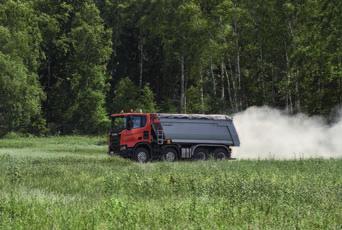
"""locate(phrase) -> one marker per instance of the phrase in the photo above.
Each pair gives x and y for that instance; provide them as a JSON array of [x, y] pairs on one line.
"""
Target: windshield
[[118, 124]]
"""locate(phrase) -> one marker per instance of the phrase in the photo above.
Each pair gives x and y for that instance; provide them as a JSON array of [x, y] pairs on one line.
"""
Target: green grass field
[[70, 183]]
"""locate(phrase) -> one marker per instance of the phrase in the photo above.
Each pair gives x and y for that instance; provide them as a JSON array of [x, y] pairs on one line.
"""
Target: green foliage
[[20, 91], [128, 96], [14, 135], [69, 182], [78, 47], [284, 54], [146, 100], [20, 35], [195, 104], [20, 95], [168, 106]]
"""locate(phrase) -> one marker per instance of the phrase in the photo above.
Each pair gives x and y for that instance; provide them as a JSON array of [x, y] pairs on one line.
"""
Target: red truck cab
[[132, 132]]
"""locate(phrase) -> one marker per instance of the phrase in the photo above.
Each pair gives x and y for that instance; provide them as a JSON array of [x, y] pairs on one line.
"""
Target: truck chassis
[[152, 141]]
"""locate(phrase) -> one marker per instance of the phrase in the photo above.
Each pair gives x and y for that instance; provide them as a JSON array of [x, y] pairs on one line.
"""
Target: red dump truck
[[147, 136]]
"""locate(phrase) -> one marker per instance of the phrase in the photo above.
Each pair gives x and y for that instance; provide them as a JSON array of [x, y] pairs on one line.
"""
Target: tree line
[[64, 65]]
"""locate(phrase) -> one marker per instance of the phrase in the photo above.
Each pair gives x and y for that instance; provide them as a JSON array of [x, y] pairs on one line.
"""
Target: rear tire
[[142, 155], [200, 154], [169, 155], [221, 154]]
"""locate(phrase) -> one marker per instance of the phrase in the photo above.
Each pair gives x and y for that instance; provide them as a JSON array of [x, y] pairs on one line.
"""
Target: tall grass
[[70, 183]]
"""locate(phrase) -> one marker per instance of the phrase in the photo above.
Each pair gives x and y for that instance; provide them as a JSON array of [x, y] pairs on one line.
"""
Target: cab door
[[136, 133]]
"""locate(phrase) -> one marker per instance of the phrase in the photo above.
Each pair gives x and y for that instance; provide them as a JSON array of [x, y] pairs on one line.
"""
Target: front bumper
[[121, 151]]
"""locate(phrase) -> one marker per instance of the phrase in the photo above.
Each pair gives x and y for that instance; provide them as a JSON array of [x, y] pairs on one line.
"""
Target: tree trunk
[[213, 76], [233, 86], [298, 103], [182, 98], [262, 73], [237, 61], [239, 78], [340, 80], [319, 89], [340, 86], [48, 90], [222, 81], [202, 91], [228, 88], [289, 106], [141, 49], [273, 87]]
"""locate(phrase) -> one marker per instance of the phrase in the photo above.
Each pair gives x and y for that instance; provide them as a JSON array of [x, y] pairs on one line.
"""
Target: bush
[[20, 95], [16, 135], [128, 96], [194, 103]]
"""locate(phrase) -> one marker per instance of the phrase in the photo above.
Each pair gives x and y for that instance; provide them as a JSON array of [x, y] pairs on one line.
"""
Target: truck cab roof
[[126, 114]]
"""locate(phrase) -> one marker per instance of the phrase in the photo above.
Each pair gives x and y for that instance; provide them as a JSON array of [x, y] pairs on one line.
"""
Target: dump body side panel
[[233, 133], [200, 131]]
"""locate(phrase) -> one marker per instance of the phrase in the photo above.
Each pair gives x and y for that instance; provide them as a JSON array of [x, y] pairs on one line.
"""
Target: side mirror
[[129, 124]]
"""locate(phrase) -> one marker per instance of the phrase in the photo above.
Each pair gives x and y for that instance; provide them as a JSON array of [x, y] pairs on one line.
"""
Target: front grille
[[115, 142]]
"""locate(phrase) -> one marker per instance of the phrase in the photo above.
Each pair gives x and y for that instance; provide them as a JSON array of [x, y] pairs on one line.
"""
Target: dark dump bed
[[199, 129]]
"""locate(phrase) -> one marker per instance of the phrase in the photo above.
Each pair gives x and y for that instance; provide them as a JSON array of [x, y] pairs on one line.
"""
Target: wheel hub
[[201, 156], [220, 156], [170, 156], [142, 157]]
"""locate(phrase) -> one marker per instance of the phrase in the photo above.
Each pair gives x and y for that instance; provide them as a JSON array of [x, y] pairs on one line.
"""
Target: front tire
[[111, 153], [169, 155], [142, 155]]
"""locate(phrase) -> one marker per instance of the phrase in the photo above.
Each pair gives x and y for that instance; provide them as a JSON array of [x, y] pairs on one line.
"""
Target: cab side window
[[138, 121]]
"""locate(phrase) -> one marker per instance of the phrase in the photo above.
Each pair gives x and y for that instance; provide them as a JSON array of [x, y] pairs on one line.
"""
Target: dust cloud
[[267, 133]]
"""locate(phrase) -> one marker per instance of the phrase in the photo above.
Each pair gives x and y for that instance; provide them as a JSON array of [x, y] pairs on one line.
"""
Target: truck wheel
[[221, 154], [169, 154], [201, 154], [111, 153], [142, 155]]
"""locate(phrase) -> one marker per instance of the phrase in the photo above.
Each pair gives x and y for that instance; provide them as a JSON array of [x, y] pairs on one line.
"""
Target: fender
[[174, 146], [143, 144]]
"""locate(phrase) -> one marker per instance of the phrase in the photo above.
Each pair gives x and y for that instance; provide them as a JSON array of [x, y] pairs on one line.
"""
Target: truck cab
[[128, 130]]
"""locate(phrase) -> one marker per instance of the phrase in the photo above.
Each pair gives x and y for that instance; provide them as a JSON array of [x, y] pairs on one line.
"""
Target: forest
[[66, 64]]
